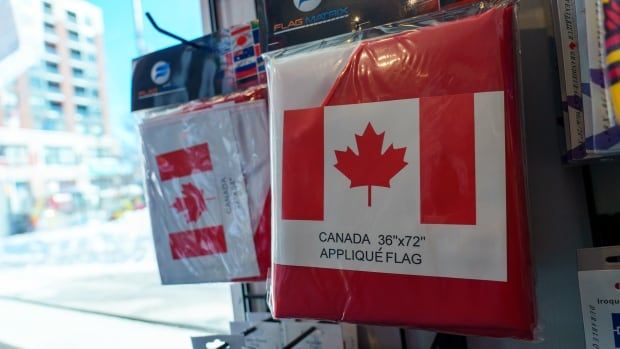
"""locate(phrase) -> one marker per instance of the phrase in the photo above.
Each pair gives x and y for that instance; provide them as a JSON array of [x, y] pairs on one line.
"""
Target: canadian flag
[[199, 205], [398, 184]]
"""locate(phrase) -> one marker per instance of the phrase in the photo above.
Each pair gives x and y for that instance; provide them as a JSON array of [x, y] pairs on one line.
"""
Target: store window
[[75, 232]]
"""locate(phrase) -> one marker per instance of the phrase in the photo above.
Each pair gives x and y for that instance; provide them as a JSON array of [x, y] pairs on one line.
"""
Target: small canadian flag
[[187, 178], [197, 198]]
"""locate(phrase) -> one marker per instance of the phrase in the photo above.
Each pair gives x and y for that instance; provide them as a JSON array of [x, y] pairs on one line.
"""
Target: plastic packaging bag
[[398, 178], [207, 178]]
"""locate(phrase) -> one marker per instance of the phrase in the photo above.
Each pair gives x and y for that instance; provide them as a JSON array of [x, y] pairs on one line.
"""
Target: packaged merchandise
[[611, 22], [568, 44], [599, 286], [606, 134], [207, 178], [203, 122], [398, 179], [288, 23]]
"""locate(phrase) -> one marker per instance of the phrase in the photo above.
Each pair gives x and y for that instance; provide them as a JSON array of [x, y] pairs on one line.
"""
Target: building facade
[[55, 142]]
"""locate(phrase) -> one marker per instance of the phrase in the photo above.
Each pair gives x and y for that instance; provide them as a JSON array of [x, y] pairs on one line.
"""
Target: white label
[[600, 304]]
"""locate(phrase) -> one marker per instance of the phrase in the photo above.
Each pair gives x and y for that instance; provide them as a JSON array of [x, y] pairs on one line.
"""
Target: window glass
[[71, 17], [73, 35], [74, 229], [75, 54]]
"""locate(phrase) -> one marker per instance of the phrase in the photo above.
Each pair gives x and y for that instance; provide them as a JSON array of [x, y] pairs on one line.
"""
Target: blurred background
[[75, 240]]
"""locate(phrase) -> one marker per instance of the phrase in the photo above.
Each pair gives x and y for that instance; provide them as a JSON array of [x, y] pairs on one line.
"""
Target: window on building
[[51, 67], [81, 110], [88, 21], [35, 83], [71, 17], [92, 58], [95, 130], [90, 40], [53, 86], [73, 35], [47, 8], [55, 106], [14, 154], [77, 72], [60, 156], [50, 47], [75, 54], [101, 152], [51, 124], [79, 91], [95, 93], [49, 27]]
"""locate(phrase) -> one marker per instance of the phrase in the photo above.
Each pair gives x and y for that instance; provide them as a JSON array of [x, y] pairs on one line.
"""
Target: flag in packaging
[[398, 181], [207, 176]]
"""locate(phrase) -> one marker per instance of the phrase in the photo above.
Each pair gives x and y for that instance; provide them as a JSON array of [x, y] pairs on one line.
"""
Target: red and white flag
[[398, 184], [198, 201], [421, 173]]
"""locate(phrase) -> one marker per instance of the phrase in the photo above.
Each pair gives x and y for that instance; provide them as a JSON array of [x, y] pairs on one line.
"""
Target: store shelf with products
[[466, 65]]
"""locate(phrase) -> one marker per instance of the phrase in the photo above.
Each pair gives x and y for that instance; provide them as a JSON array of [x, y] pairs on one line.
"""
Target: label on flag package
[[398, 181], [197, 197]]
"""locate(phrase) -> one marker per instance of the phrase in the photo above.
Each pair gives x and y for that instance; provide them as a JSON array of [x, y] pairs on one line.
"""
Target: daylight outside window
[[76, 252]]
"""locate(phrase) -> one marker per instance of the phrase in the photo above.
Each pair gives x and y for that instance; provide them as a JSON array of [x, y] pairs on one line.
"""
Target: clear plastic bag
[[207, 179], [398, 184]]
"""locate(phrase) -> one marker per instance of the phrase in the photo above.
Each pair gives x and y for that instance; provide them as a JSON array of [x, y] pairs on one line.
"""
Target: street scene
[[102, 273], [77, 259]]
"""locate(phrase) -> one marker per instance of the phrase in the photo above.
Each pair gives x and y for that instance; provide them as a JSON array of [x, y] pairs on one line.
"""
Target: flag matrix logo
[[370, 167], [306, 5], [160, 73]]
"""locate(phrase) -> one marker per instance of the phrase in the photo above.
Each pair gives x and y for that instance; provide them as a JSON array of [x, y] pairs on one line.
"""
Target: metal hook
[[172, 35]]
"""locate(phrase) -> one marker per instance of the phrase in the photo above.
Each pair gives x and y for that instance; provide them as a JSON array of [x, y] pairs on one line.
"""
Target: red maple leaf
[[192, 202], [370, 167]]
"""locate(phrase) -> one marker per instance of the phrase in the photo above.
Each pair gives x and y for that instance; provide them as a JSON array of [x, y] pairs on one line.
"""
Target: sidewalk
[[28, 326], [101, 282]]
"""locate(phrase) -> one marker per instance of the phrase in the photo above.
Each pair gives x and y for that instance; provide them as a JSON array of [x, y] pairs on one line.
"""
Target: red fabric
[[262, 235], [262, 244], [198, 243], [184, 162], [448, 193], [303, 160], [462, 57]]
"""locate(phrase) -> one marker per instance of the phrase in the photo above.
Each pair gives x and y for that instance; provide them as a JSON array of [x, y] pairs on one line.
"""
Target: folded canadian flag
[[398, 182], [208, 188]]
